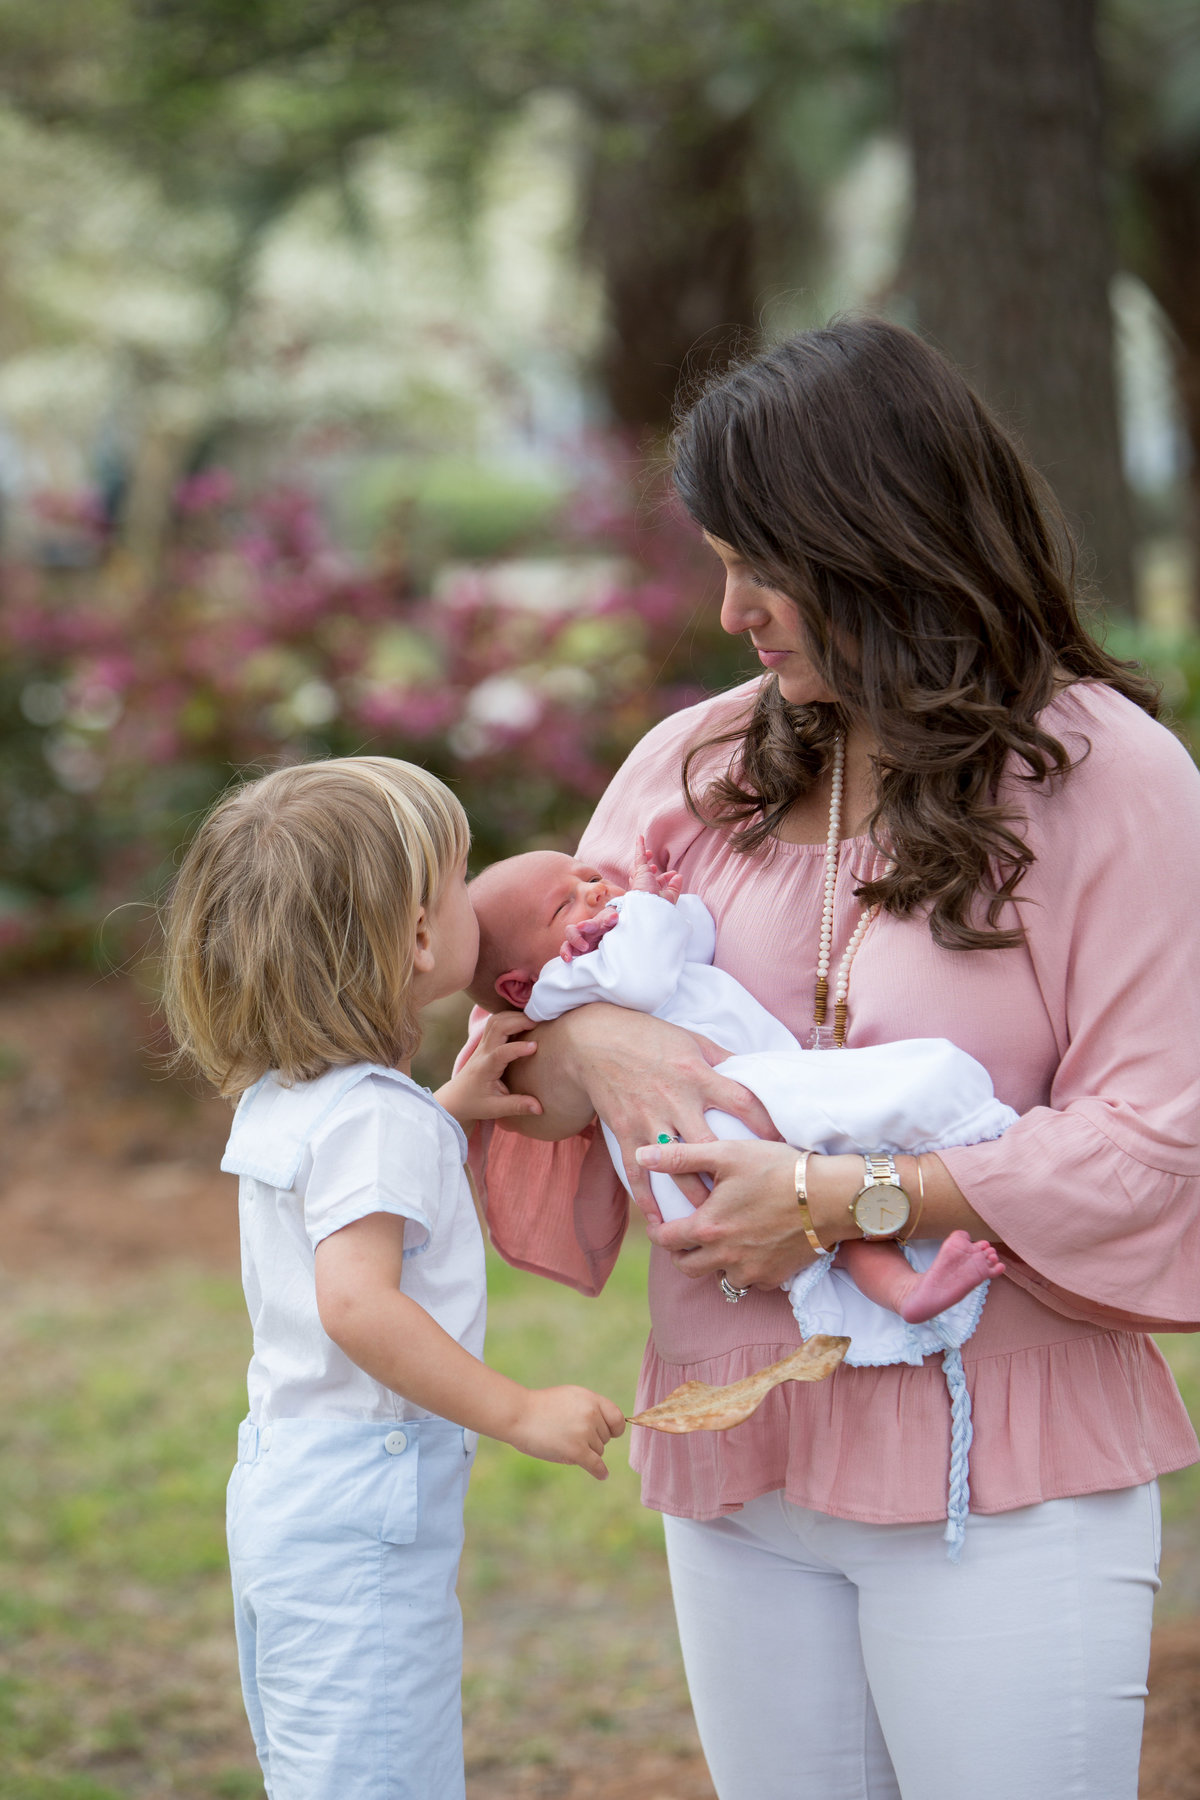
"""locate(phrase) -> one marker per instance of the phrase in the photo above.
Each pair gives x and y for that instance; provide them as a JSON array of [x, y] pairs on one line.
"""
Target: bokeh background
[[339, 341]]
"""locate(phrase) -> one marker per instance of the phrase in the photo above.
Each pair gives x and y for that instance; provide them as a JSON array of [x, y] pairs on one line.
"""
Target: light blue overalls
[[344, 1533]]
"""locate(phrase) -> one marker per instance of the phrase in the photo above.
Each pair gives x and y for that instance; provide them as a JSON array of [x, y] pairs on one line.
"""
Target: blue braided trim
[[962, 1431]]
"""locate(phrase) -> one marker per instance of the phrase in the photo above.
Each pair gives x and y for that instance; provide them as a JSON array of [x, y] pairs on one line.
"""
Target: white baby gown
[[914, 1095]]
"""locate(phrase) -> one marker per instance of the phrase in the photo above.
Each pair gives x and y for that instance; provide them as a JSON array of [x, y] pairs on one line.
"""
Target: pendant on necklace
[[820, 1037]]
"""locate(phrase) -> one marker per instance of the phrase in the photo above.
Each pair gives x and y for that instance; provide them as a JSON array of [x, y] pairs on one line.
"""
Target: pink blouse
[[1091, 1031]]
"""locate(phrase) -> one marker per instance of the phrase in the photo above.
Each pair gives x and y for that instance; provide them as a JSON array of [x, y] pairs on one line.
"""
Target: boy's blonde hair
[[290, 929]]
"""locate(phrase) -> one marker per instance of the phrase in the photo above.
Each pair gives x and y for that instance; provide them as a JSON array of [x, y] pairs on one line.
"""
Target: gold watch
[[881, 1208]]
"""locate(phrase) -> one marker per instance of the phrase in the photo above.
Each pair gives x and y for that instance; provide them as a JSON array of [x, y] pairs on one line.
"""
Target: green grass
[[118, 1422], [118, 1416], [1181, 1492], [590, 1530]]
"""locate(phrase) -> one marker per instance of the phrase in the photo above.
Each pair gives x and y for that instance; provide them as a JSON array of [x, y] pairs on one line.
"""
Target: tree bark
[[669, 225], [1168, 181], [1010, 256]]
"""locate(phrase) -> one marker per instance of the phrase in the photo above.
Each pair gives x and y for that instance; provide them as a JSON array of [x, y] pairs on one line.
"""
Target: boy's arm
[[398, 1343]]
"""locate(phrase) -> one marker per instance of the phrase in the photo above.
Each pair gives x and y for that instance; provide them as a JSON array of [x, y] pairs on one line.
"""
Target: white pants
[[344, 1540], [829, 1660]]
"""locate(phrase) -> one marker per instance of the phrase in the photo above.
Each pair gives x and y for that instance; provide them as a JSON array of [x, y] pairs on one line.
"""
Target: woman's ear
[[422, 945], [515, 987]]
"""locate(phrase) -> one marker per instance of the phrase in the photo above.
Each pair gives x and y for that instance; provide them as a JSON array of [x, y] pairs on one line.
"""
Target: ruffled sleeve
[[1097, 1193], [558, 1209]]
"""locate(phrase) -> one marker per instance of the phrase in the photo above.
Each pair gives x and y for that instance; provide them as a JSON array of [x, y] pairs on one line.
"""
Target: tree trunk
[[1010, 254], [1169, 183], [669, 225]]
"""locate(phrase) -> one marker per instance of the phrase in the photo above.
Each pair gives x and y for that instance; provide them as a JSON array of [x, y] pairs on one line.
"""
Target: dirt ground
[[108, 1169]]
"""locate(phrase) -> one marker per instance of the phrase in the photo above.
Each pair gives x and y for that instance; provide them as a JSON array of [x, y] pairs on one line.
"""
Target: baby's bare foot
[[960, 1265]]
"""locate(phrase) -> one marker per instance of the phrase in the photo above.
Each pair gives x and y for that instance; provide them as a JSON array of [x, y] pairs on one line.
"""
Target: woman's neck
[[807, 820]]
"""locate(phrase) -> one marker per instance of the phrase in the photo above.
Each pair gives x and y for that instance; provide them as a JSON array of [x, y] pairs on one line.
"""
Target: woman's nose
[[739, 612]]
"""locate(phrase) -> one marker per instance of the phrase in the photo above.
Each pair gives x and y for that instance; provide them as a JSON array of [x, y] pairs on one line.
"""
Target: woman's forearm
[[750, 1226], [938, 1204], [554, 1078]]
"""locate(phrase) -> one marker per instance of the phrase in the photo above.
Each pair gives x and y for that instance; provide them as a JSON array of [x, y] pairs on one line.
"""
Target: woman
[[1011, 866]]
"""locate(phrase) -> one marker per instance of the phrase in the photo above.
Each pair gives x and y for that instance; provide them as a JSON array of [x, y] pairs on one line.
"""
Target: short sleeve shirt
[[312, 1158]]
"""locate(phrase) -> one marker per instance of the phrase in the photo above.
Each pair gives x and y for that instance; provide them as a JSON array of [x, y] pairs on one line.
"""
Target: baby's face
[[544, 892]]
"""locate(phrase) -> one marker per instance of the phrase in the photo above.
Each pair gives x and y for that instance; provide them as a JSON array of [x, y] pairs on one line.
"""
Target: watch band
[[801, 1177], [881, 1171]]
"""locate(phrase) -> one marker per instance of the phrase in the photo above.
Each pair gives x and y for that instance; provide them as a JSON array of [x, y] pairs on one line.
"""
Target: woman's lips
[[771, 659]]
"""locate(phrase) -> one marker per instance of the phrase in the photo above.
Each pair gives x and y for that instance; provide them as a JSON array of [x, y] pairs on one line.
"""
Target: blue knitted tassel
[[961, 1433]]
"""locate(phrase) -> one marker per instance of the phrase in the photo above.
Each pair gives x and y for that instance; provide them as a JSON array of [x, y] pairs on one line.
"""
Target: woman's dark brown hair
[[854, 470]]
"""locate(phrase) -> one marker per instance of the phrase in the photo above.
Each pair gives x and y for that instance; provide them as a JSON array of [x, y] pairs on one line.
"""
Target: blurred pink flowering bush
[[126, 707]]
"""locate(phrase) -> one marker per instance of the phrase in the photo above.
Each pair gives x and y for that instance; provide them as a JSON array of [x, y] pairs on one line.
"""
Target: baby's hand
[[568, 1425], [648, 878], [478, 1090], [587, 934]]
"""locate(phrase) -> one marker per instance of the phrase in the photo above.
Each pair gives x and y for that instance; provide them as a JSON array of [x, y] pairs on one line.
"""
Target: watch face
[[881, 1210]]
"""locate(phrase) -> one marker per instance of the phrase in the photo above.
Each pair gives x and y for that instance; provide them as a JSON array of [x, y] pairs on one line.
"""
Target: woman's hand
[[643, 1077], [749, 1227]]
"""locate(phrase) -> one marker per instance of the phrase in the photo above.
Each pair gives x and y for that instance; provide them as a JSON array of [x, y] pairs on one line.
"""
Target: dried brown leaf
[[698, 1407]]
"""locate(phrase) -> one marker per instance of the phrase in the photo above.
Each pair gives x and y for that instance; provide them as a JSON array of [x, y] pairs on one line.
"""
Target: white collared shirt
[[312, 1158]]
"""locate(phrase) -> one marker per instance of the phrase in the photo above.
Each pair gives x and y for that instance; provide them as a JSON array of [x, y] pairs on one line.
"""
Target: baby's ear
[[515, 987]]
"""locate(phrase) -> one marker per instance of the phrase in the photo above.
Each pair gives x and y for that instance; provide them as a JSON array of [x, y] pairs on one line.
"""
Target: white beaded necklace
[[821, 1038]]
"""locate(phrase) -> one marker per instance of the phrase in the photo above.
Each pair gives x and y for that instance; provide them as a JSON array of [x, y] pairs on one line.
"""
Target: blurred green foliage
[[1173, 659], [706, 131], [452, 508]]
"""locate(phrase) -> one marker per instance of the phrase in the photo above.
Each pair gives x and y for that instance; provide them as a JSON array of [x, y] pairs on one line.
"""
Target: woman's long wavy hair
[[854, 470]]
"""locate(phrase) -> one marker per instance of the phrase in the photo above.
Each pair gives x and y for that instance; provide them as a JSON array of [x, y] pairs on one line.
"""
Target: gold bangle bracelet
[[912, 1230], [801, 1180]]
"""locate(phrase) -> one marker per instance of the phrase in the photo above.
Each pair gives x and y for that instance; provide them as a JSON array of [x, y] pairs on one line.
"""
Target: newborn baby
[[554, 934]]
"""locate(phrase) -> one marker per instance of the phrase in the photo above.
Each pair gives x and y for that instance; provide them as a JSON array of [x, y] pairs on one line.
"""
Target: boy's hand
[[587, 934], [478, 1090], [648, 878], [568, 1425]]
